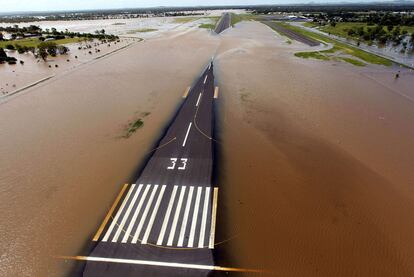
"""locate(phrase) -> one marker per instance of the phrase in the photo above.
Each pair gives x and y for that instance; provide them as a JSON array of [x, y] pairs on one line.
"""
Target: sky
[[57, 5]]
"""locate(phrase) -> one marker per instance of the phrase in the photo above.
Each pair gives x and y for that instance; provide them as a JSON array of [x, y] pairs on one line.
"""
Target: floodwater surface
[[314, 167]]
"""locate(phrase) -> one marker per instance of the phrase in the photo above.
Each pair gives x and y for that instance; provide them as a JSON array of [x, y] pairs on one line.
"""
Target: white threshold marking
[[186, 135], [128, 211], [204, 218], [154, 213], [198, 100], [195, 214], [111, 227], [213, 219], [176, 215], [186, 212], [167, 217], [205, 79], [144, 215], [134, 217]]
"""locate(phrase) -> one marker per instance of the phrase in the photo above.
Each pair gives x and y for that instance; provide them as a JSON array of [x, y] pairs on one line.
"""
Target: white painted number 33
[[183, 162]]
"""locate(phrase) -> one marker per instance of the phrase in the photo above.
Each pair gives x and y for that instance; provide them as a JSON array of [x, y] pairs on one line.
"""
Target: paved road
[[164, 224], [291, 34], [224, 23]]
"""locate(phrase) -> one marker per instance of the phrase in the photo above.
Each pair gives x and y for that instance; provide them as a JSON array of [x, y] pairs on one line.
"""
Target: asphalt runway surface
[[291, 34], [224, 23], [164, 224]]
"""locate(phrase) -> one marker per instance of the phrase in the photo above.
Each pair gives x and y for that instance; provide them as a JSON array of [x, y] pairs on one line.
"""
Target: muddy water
[[62, 161], [317, 159]]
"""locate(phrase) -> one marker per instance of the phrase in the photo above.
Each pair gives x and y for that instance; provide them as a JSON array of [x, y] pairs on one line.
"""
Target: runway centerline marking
[[198, 100], [186, 135], [154, 213], [185, 219], [167, 217], [124, 219], [204, 218], [195, 214], [205, 79], [176, 215], [144, 215], [111, 227], [134, 217]]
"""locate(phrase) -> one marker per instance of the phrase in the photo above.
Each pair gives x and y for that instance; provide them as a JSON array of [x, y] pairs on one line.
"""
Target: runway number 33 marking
[[174, 163]]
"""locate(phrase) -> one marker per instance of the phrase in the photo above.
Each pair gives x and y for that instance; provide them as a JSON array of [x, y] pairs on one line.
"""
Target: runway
[[164, 223], [291, 34], [224, 23]]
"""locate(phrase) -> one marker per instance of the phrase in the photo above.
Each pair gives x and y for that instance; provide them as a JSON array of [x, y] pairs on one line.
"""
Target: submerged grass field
[[338, 48], [143, 30], [184, 19], [34, 42]]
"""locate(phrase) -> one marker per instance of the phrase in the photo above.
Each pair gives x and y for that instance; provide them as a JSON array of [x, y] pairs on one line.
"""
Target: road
[[164, 224], [291, 34], [224, 23]]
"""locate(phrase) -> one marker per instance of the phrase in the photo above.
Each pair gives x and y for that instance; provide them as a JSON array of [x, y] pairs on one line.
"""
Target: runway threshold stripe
[[124, 219], [186, 135], [204, 218], [185, 219], [152, 218], [213, 219], [176, 216], [135, 215], [156, 263], [114, 221], [109, 214], [195, 215], [167, 217], [144, 215]]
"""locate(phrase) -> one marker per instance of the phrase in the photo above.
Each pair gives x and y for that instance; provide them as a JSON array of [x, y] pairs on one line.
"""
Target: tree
[[62, 49], [41, 51], [47, 48], [1, 36]]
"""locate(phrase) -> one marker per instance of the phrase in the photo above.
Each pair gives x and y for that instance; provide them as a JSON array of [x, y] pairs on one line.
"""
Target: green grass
[[207, 26], [315, 55], [184, 19], [212, 24], [288, 41], [342, 47], [34, 42], [144, 30], [352, 61], [133, 127], [341, 28]]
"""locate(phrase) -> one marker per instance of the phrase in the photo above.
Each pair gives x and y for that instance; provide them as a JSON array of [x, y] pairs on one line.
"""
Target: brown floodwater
[[315, 158], [316, 166], [62, 158]]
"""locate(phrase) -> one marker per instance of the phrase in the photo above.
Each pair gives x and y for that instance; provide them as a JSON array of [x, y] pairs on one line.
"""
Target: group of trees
[[381, 34]]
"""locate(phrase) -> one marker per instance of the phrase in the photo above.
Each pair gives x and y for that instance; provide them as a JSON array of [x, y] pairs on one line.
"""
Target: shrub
[[10, 47]]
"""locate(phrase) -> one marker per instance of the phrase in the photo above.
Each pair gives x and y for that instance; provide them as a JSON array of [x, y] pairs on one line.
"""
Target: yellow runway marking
[[186, 92], [216, 92], [213, 218], [110, 212], [155, 263]]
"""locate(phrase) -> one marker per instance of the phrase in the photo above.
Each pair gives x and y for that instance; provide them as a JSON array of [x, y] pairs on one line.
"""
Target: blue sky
[[47, 5]]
